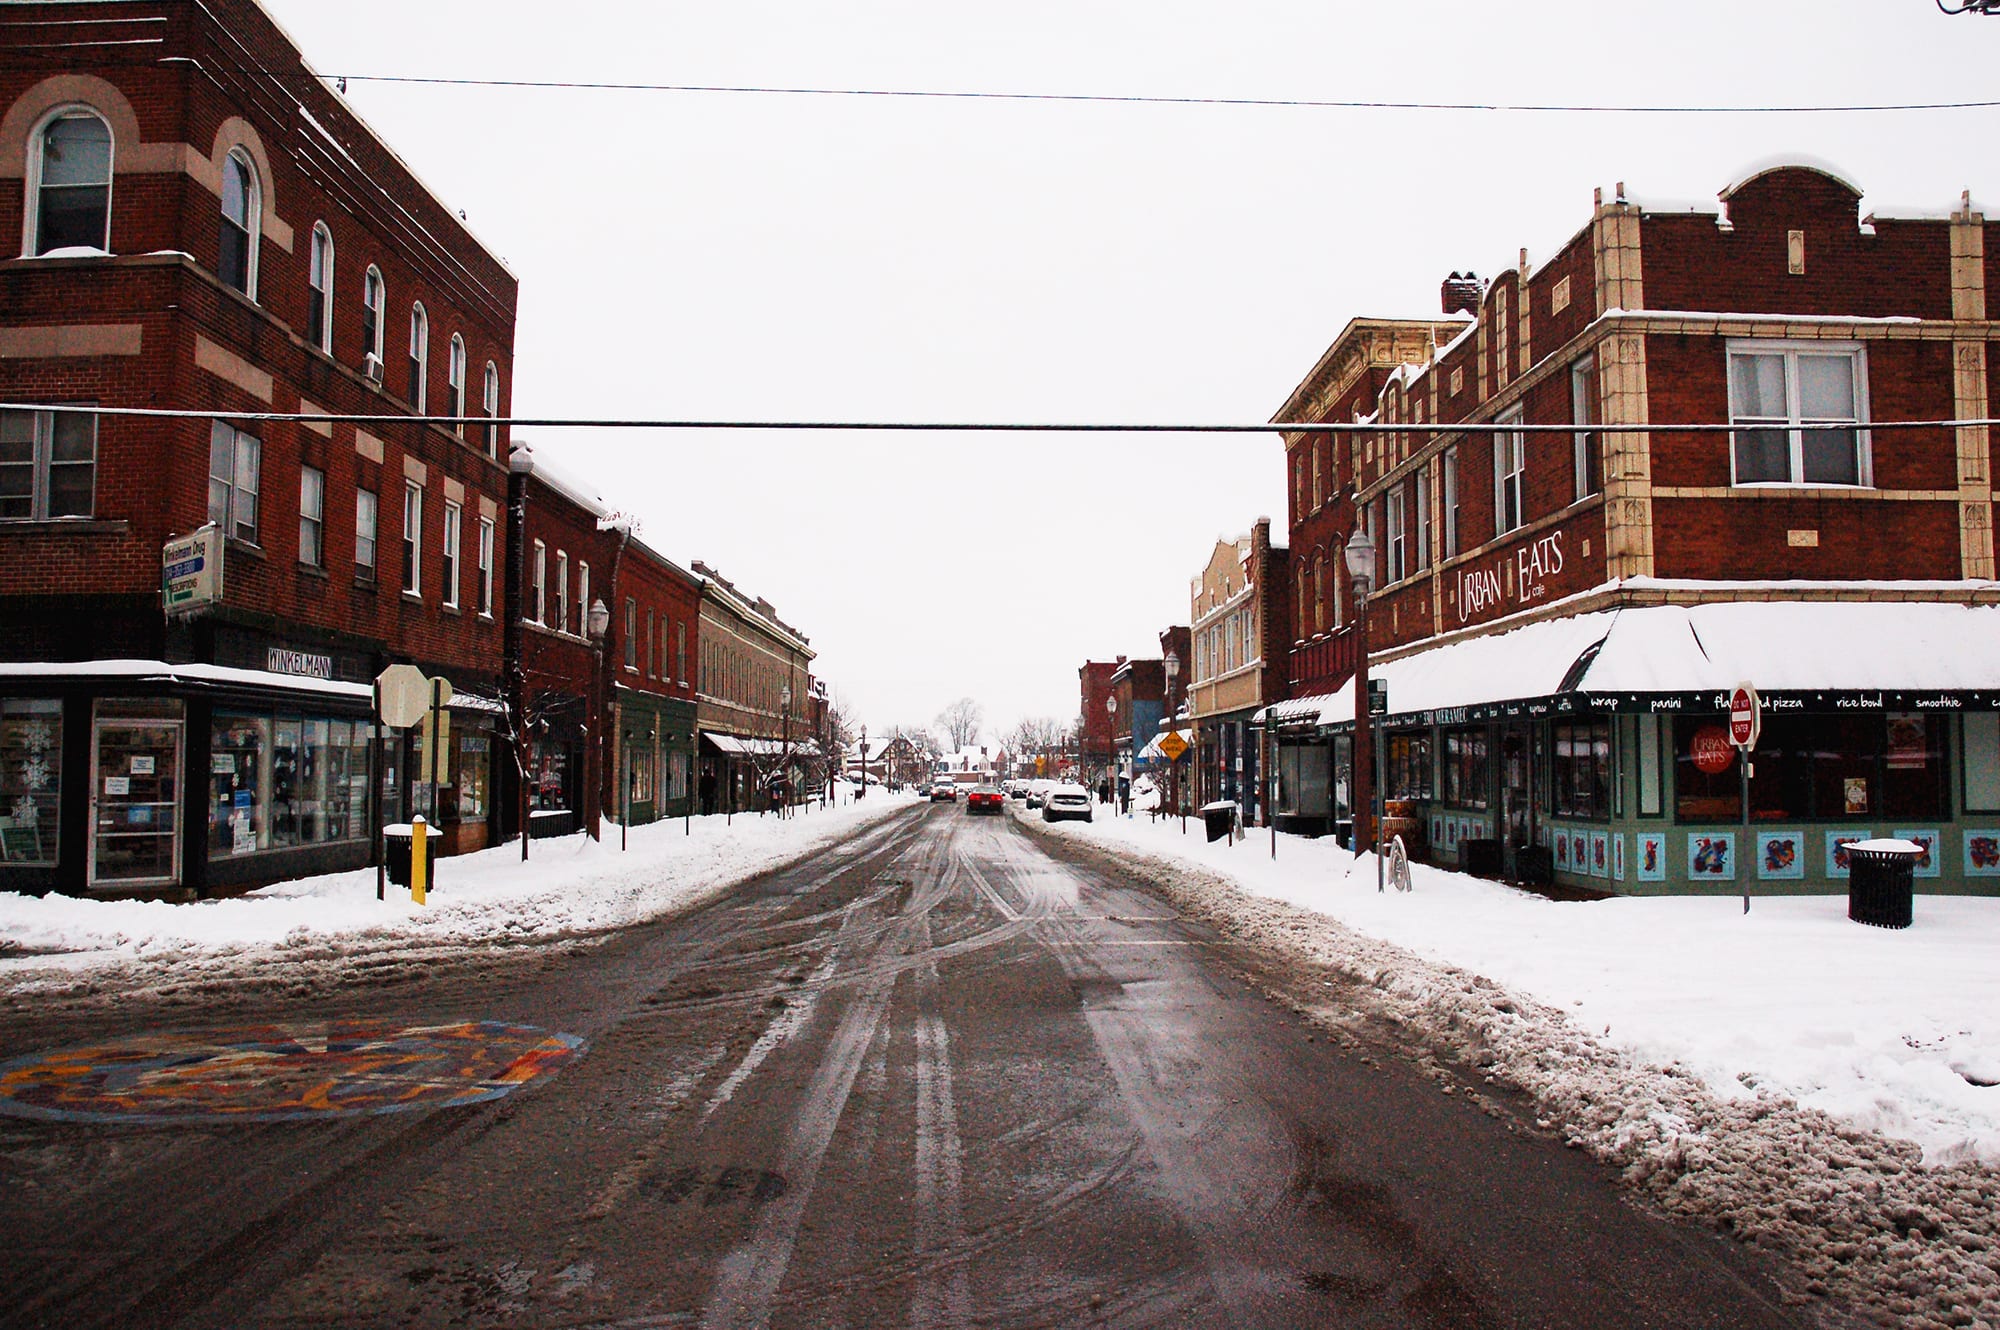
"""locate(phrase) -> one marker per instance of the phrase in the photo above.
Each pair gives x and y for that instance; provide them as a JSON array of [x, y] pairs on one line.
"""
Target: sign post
[[1746, 721], [400, 697]]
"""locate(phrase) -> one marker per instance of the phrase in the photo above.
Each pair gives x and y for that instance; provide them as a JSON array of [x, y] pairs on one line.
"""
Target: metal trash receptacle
[[397, 839], [1881, 881], [1219, 818]]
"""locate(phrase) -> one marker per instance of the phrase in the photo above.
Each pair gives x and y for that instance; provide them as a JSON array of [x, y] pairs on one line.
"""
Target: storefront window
[[1826, 767], [285, 781], [1582, 769], [1408, 766], [1464, 767], [547, 768], [475, 768], [30, 778], [677, 775]]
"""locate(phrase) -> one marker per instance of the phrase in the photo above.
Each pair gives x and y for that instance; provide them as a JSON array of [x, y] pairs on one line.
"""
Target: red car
[[985, 799]]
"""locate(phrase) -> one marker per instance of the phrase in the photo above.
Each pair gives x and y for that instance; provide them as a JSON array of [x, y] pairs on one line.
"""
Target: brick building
[[756, 702], [206, 227], [1238, 630], [1560, 612], [1097, 729]]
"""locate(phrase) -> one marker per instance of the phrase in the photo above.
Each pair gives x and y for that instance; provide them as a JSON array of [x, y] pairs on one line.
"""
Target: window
[[1774, 388], [31, 752], [312, 516], [234, 459], [374, 303], [540, 583], [1510, 463], [365, 513], [70, 183], [631, 634], [241, 212], [319, 278], [1583, 411], [651, 671], [413, 536], [1399, 536], [490, 397], [1420, 550], [486, 567], [1406, 761], [681, 651], [583, 591], [1826, 767], [1582, 786], [562, 596], [275, 782], [420, 355], [1318, 623], [1464, 767], [1318, 489], [1448, 469], [455, 381], [48, 465], [454, 518], [1299, 484]]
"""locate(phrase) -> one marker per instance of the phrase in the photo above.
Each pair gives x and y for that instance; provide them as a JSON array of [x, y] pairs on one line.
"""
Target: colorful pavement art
[[273, 1073]]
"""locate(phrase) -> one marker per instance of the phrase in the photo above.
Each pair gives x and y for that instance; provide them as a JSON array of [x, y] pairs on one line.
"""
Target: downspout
[[520, 465]]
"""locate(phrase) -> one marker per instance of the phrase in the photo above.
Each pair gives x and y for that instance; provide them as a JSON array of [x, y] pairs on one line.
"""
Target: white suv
[[1066, 801]]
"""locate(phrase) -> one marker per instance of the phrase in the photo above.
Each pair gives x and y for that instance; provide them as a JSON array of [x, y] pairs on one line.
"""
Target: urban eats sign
[[1482, 589]]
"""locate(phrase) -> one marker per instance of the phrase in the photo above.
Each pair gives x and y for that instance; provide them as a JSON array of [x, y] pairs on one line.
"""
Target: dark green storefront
[[653, 770]]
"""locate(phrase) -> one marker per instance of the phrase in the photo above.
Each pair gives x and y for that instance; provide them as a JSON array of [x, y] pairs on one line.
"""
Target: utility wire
[[984, 427]]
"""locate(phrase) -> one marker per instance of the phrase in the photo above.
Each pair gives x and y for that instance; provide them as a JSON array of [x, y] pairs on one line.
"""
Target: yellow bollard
[[419, 859]]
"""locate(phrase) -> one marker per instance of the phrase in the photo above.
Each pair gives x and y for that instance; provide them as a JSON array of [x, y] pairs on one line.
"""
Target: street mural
[[272, 1073]]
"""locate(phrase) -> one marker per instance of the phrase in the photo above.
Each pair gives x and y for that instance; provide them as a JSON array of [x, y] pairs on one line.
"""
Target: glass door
[[135, 802], [1516, 803]]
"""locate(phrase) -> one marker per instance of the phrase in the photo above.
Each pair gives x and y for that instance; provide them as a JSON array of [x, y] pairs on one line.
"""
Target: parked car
[[944, 792], [1066, 801], [985, 799], [1038, 792]]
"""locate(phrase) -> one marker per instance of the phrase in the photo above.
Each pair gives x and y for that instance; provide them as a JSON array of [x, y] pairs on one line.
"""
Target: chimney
[[1460, 293]]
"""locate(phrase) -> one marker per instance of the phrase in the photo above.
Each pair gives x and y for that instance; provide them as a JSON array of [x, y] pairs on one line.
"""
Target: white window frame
[[1856, 354], [1584, 404], [1448, 500], [31, 222], [454, 375], [1398, 553], [540, 583], [454, 523], [367, 528], [562, 593], [485, 567], [583, 593], [1420, 494], [375, 300], [319, 277], [312, 517], [1510, 475], [413, 538], [420, 356], [252, 225], [234, 485], [41, 426], [490, 399]]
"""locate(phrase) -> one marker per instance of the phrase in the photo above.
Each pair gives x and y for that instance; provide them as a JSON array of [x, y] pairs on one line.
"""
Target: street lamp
[[1111, 746], [596, 622], [1173, 716], [785, 749], [861, 789], [1360, 556]]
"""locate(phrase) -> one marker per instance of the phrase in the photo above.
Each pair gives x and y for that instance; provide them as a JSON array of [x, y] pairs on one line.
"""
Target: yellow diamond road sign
[[1173, 746]]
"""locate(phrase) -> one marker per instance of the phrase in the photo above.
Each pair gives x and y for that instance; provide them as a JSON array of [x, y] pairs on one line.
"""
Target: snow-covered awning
[[738, 746], [159, 671], [1812, 654], [1299, 710]]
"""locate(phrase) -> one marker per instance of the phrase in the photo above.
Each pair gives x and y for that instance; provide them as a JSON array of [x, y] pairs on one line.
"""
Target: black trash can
[[1881, 886], [1219, 818], [397, 853], [1480, 856]]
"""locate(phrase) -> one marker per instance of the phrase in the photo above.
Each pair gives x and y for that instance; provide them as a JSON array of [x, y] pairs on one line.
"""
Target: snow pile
[[569, 887], [1792, 1077]]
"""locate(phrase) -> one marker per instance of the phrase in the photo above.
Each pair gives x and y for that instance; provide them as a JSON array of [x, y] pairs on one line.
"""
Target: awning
[[1295, 711], [159, 671], [474, 702], [1805, 655], [738, 746]]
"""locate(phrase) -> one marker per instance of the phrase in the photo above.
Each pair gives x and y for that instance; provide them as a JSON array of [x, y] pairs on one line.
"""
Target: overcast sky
[[728, 255]]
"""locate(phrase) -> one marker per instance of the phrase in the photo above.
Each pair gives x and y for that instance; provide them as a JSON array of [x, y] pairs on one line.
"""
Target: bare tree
[[961, 721]]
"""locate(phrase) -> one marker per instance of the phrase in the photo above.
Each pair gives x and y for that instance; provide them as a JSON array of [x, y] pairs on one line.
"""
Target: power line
[[1305, 103], [985, 427]]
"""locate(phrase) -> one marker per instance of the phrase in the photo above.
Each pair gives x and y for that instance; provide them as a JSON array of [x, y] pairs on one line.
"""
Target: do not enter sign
[[1745, 718]]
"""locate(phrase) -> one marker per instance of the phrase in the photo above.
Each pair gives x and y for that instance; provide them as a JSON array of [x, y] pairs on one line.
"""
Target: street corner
[[281, 1072]]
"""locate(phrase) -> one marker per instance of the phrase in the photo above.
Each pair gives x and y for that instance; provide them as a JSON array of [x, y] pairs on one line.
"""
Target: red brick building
[[1559, 613], [204, 226]]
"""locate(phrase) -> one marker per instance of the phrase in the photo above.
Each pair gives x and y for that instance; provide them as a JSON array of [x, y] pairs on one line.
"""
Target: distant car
[[944, 792], [1066, 801], [985, 799], [923, 790]]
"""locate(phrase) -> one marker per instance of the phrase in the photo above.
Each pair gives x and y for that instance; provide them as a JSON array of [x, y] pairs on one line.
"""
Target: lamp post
[[1111, 748], [861, 790], [1173, 664], [1360, 556], [595, 623], [785, 748]]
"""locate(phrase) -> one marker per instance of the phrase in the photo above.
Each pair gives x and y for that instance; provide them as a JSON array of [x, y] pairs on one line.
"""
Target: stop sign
[[1744, 716], [404, 695]]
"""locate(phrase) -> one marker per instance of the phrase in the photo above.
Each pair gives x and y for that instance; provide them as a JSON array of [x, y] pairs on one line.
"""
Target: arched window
[[455, 380], [237, 265], [1319, 593], [491, 399], [69, 183], [374, 304], [420, 354], [319, 304]]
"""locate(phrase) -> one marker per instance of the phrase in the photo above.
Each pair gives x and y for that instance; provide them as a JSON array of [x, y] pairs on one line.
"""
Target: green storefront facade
[[655, 756]]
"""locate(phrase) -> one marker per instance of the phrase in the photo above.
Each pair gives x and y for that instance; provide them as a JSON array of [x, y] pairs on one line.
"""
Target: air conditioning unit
[[371, 365]]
